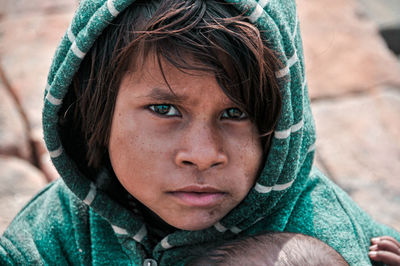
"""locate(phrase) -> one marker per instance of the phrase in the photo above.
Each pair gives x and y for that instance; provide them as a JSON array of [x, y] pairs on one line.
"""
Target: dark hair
[[212, 34], [271, 249]]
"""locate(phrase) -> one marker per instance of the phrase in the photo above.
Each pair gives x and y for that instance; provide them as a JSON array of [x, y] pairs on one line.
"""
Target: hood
[[290, 158]]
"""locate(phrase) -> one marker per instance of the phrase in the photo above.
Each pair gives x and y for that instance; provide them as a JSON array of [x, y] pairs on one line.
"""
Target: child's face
[[190, 157]]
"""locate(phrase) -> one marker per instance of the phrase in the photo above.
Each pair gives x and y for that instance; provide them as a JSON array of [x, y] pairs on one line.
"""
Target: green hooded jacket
[[74, 221]]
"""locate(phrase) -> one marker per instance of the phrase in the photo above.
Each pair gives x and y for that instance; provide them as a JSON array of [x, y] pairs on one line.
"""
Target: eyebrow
[[165, 95]]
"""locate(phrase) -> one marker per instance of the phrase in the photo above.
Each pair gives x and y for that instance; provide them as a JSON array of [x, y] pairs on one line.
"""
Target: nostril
[[187, 163], [215, 164]]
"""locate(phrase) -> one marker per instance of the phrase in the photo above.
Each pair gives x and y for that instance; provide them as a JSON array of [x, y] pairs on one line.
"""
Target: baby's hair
[[194, 35], [272, 249]]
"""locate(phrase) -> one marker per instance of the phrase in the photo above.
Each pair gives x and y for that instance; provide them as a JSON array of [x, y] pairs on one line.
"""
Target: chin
[[194, 227], [190, 226]]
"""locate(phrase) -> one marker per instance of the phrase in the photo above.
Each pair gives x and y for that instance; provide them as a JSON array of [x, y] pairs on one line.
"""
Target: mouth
[[198, 196]]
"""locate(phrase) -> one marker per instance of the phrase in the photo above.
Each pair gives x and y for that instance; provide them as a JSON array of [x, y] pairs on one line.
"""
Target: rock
[[23, 7], [25, 65], [358, 146], [344, 53], [384, 12], [19, 183], [44, 160], [13, 136], [391, 35]]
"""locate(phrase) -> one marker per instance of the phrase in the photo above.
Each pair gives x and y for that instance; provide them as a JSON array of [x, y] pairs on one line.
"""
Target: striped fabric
[[290, 137], [290, 158]]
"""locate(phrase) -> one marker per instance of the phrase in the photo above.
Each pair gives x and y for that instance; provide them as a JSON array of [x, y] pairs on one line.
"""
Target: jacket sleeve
[[44, 231]]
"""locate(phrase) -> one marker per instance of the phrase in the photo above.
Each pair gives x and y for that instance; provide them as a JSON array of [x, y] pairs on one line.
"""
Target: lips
[[198, 196]]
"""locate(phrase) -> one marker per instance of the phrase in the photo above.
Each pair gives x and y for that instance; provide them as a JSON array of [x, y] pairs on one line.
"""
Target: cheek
[[246, 148], [129, 136], [122, 138], [130, 163], [137, 149], [255, 158], [246, 157]]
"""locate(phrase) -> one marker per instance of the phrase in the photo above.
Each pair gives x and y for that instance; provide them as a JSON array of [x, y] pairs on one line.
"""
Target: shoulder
[[40, 230], [325, 211], [331, 203], [54, 204]]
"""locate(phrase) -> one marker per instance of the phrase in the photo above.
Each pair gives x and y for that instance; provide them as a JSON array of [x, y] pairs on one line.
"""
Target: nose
[[202, 148]]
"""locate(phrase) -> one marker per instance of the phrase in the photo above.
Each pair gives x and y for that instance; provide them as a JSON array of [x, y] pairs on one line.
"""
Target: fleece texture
[[73, 221]]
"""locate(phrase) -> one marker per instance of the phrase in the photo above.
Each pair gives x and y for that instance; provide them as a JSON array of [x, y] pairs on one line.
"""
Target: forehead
[[160, 80]]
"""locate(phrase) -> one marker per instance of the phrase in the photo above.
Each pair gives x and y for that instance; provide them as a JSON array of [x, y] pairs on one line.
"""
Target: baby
[[272, 249], [290, 249]]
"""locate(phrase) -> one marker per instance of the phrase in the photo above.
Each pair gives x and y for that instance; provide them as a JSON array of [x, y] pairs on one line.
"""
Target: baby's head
[[272, 249], [178, 99]]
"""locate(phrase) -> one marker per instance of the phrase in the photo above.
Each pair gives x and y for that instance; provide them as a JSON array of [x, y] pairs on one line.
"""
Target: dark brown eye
[[233, 113]]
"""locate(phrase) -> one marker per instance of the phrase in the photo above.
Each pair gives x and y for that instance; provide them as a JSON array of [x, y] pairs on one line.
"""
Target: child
[[175, 124], [272, 249]]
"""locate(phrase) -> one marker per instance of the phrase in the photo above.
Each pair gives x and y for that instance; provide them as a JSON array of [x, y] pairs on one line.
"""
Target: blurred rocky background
[[353, 70]]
